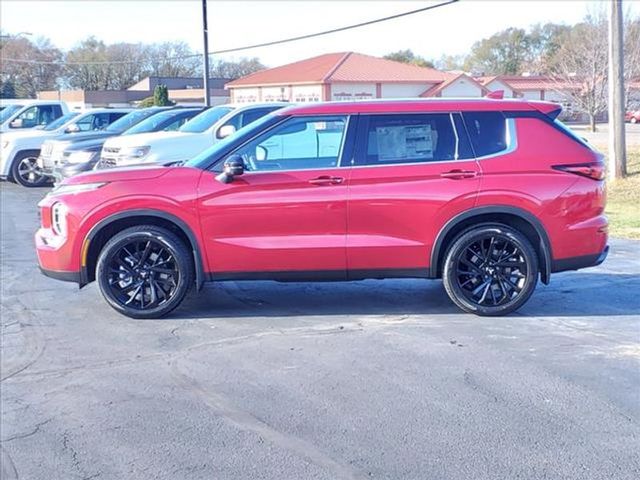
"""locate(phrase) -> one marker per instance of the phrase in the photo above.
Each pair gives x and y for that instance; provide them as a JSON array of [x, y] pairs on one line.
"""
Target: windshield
[[153, 123], [129, 120], [203, 159], [60, 121], [7, 111], [205, 120]]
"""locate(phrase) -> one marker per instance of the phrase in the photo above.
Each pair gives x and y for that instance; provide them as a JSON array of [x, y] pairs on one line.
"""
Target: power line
[[247, 47]]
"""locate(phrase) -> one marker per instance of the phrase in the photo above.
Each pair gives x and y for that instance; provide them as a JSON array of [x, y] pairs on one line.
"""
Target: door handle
[[458, 174], [326, 180]]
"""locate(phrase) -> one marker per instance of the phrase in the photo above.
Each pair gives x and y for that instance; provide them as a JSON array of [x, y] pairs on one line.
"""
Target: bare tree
[[20, 68], [236, 69], [582, 61]]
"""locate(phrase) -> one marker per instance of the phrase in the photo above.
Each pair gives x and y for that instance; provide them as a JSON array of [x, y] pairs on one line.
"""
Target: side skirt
[[320, 275]]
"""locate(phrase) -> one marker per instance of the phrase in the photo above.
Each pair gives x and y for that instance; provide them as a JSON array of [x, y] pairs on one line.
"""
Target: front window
[[34, 116], [60, 121], [298, 143], [205, 120]]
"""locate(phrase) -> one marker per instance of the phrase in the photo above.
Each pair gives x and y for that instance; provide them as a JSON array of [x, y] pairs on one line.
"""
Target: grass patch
[[623, 200]]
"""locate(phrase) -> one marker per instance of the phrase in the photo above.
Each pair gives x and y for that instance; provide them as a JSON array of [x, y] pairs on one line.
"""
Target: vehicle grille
[[109, 157]]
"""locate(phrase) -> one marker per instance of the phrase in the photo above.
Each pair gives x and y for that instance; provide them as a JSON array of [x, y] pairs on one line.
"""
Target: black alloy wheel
[[490, 270], [144, 272], [26, 172]]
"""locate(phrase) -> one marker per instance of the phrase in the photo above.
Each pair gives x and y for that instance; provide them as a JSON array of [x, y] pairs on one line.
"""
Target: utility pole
[[205, 65], [617, 167]]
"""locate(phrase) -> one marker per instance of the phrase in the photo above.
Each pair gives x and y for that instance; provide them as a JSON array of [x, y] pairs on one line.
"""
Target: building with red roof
[[350, 76]]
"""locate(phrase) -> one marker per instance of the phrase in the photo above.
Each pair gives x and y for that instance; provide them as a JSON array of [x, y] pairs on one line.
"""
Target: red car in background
[[632, 116], [489, 195]]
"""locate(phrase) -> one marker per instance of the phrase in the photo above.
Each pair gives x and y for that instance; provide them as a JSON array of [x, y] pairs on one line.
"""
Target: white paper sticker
[[405, 142]]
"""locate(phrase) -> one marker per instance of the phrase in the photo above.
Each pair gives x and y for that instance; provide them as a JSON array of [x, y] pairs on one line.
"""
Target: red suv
[[486, 194]]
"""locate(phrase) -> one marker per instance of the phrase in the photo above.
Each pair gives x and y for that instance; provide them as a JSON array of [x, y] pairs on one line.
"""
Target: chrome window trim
[[456, 154]]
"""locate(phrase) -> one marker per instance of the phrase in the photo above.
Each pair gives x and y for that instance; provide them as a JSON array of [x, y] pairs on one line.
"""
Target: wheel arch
[[109, 226], [514, 217]]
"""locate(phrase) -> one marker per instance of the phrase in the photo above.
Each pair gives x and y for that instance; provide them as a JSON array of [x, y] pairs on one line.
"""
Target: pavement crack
[[247, 422], [36, 429]]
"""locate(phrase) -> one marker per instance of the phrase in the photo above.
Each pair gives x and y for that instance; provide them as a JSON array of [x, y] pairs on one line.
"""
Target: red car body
[[632, 116], [347, 221]]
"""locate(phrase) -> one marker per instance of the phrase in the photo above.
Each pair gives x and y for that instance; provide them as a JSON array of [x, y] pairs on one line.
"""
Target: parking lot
[[373, 379]]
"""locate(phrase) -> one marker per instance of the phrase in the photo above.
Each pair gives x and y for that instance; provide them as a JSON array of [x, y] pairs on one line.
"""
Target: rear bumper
[[576, 263]]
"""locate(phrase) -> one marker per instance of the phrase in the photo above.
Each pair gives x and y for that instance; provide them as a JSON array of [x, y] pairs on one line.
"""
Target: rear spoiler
[[551, 110]]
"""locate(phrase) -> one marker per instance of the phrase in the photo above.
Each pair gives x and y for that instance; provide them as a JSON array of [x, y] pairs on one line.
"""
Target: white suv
[[195, 136], [22, 114], [20, 149]]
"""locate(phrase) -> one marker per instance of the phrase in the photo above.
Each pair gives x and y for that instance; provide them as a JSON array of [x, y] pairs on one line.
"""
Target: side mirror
[[72, 128], [16, 123], [233, 166], [226, 131]]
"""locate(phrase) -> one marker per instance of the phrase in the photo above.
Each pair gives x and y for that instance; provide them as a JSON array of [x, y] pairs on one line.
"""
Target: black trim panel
[[63, 276], [320, 275], [576, 263], [200, 276]]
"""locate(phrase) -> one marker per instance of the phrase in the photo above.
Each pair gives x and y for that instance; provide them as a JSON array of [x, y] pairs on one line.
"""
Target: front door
[[286, 215], [410, 173]]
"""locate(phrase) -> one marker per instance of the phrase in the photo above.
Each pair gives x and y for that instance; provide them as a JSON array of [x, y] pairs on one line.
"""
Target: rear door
[[411, 173]]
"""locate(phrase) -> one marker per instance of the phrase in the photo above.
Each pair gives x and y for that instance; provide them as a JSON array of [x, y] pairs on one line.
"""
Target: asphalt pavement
[[359, 380]]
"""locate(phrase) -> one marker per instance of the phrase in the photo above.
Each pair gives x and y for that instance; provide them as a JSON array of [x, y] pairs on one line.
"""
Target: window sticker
[[405, 142]]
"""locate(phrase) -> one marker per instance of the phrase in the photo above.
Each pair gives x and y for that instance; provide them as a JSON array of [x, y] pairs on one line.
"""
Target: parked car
[[193, 137], [20, 150], [26, 113], [83, 156], [488, 195], [51, 152], [632, 116]]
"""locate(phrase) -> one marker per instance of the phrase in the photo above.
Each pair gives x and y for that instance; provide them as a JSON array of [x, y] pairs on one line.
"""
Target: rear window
[[487, 132]]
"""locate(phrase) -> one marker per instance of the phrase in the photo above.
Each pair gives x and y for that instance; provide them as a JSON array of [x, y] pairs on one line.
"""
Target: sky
[[450, 30]]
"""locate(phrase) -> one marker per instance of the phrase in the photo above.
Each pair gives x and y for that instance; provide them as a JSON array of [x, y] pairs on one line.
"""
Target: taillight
[[594, 171]]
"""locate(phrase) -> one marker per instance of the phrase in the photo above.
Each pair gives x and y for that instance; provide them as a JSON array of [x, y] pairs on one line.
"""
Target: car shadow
[[585, 293]]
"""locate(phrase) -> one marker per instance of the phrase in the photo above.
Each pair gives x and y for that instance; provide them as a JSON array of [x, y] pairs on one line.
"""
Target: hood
[[95, 144], [81, 137], [118, 175], [10, 136], [140, 139]]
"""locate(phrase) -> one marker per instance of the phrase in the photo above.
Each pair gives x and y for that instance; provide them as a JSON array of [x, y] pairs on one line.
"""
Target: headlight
[[81, 187], [78, 157], [134, 153], [59, 218]]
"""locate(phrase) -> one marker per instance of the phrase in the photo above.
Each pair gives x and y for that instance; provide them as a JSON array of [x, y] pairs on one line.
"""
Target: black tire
[[490, 270], [144, 263], [25, 171]]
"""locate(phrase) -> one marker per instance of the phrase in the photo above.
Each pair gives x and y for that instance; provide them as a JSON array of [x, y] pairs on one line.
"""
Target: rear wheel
[[144, 272], [25, 170], [634, 120], [490, 270]]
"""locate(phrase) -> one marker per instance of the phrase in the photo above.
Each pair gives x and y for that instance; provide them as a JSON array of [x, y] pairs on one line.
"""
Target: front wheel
[[144, 272], [490, 270], [26, 172]]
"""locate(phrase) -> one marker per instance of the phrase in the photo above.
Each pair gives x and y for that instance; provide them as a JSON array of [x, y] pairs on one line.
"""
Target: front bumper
[[62, 171], [62, 276]]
